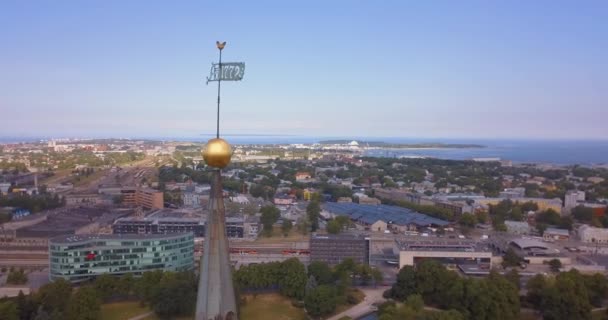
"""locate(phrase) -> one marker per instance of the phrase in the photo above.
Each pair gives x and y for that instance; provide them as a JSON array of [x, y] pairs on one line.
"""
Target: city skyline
[[418, 70]]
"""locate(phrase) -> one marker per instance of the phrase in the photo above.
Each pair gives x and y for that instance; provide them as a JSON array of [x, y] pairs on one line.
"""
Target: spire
[[216, 299]]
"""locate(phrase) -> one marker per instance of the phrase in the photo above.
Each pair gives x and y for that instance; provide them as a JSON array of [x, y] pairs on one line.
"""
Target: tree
[[415, 302], [175, 295], [555, 265], [516, 214], [16, 277], [510, 259], [54, 298], [405, 284], [514, 277], [567, 299], [582, 214], [550, 217], [41, 314], [105, 285], [597, 288], [311, 284], [26, 306], [257, 191], [147, 284], [125, 285], [321, 271], [84, 305], [468, 220], [286, 226], [536, 288], [566, 223], [504, 296], [333, 227], [321, 301], [377, 276], [292, 282], [270, 215], [313, 211], [303, 225], [8, 311]]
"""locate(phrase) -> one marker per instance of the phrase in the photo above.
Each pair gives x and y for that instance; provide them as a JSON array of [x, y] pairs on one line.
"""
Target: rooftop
[[527, 244], [87, 237], [423, 244], [369, 214]]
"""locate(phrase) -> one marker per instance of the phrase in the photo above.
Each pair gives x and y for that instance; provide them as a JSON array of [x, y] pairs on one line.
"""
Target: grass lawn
[[270, 306], [122, 310], [598, 314], [277, 236]]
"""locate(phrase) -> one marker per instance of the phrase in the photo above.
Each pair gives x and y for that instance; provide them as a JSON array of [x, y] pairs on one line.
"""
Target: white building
[[592, 234], [191, 200], [572, 198]]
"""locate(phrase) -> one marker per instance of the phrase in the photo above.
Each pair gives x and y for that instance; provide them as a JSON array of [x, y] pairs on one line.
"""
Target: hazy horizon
[[421, 70]]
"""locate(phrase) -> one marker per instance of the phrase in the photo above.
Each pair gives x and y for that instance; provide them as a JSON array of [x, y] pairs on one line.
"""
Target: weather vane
[[217, 153]]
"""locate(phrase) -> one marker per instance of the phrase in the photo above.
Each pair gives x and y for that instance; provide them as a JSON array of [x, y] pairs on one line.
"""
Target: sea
[[559, 152]]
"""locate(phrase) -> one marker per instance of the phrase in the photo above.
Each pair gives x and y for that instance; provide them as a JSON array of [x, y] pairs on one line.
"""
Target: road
[[372, 295]]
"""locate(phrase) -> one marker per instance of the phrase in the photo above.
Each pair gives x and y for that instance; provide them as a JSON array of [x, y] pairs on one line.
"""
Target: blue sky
[[437, 69]]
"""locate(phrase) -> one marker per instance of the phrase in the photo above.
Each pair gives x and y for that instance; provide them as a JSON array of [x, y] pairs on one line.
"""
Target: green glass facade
[[78, 258]]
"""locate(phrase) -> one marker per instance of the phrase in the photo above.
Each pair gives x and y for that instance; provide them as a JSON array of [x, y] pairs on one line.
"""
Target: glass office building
[[78, 258]]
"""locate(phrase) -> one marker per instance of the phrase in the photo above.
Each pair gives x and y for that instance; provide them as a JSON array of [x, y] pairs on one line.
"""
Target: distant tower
[[216, 300]]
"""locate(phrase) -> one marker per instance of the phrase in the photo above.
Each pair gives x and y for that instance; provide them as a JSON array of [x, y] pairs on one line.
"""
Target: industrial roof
[[525, 244], [369, 214]]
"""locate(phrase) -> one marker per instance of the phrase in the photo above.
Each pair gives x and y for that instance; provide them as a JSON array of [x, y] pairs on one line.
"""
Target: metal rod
[[219, 85]]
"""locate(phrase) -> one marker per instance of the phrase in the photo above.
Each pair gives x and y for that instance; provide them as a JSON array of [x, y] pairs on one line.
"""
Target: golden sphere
[[217, 153]]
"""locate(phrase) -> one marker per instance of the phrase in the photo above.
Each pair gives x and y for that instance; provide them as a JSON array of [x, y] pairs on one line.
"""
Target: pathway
[[372, 295], [142, 316]]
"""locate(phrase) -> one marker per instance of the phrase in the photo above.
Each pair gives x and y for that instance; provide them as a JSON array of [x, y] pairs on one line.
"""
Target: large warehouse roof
[[368, 214], [527, 244]]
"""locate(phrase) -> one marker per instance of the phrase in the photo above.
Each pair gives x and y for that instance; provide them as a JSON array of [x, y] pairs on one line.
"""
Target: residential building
[[595, 180], [191, 200], [510, 193], [149, 198], [572, 198], [543, 204], [303, 176], [556, 234], [309, 193], [283, 199], [79, 258]]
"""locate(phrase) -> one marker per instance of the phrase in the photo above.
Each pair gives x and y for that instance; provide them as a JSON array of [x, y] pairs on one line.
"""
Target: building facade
[[146, 198], [592, 234], [235, 227], [78, 258], [333, 249]]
